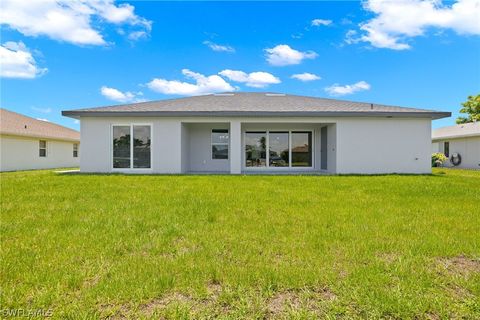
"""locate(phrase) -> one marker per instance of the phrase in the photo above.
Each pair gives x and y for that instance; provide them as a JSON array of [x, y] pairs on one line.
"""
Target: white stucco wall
[[355, 145], [468, 148], [383, 145], [199, 149], [166, 142], [22, 153]]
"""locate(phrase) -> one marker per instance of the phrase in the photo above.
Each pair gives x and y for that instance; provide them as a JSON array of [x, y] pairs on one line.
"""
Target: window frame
[[131, 168], [40, 148], [267, 132], [219, 144], [75, 150]]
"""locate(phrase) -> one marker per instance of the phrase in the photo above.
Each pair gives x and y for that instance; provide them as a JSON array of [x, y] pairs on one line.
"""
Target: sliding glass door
[[278, 146], [286, 149], [255, 149], [301, 149], [131, 146], [121, 146]]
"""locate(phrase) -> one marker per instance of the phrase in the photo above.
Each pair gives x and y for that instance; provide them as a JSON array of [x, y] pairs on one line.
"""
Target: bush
[[438, 159]]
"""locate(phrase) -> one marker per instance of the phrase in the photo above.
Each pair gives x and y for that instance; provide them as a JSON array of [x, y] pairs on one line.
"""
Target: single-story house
[[27, 143], [460, 143], [255, 133]]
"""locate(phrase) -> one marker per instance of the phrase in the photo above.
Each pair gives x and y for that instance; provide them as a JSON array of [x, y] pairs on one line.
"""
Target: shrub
[[438, 159]]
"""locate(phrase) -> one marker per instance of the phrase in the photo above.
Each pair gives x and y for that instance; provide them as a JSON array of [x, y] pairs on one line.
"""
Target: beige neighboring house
[[459, 142], [27, 143]]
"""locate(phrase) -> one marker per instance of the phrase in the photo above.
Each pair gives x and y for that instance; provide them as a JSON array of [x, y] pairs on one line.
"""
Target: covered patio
[[258, 147]]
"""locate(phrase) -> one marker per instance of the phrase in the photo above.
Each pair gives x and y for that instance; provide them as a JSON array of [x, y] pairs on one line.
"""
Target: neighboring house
[[27, 143], [255, 132], [460, 140]]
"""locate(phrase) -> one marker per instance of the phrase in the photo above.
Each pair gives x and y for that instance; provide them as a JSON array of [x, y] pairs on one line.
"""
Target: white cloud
[[321, 22], [254, 79], [137, 35], [69, 21], [283, 55], [43, 119], [119, 96], [219, 47], [338, 90], [203, 85], [42, 110], [16, 61], [398, 21], [305, 76]]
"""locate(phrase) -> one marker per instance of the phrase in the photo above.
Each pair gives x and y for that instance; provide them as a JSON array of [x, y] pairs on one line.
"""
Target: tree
[[472, 108]]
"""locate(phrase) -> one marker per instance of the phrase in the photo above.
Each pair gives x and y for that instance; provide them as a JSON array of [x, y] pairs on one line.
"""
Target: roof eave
[[455, 136], [433, 114], [39, 136]]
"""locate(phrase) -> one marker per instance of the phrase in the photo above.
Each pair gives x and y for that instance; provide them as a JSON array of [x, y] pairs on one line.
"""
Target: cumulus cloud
[[254, 79], [338, 90], [283, 55], [16, 61], [305, 76], [119, 96], [202, 84], [219, 47], [396, 22], [69, 21], [321, 22]]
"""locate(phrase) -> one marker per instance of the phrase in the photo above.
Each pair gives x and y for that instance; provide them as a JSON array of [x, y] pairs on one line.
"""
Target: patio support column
[[235, 147]]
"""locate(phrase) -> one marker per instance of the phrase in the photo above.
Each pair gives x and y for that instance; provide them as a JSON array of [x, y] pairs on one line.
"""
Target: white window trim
[[267, 167], [219, 144], [46, 148], [131, 169]]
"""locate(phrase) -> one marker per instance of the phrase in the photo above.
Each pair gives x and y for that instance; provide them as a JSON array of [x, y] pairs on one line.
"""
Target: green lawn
[[95, 246]]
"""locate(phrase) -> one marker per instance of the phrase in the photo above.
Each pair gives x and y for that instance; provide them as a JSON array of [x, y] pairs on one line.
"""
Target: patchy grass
[[97, 246]]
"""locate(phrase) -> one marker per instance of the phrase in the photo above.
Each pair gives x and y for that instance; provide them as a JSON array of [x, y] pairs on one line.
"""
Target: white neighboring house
[[27, 143], [255, 133], [460, 140]]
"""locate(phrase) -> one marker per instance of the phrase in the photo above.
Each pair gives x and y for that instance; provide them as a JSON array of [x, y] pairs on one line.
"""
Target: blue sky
[[349, 50]]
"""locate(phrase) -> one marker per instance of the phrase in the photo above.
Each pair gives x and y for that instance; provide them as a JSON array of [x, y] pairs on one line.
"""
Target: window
[[75, 150], [285, 149], [127, 146], [42, 148], [220, 141], [446, 149]]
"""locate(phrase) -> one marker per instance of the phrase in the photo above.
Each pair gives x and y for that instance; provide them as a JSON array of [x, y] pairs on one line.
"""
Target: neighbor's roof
[[458, 131], [12, 123], [254, 104]]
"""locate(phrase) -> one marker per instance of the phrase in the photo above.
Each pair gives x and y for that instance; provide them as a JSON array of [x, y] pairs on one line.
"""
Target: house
[[460, 143], [255, 133], [27, 143]]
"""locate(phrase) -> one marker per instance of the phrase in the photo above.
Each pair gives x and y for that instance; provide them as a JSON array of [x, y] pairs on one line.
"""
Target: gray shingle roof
[[458, 131], [254, 104], [12, 123]]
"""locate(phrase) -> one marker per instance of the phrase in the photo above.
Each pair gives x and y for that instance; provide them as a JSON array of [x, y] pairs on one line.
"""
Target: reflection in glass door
[[301, 149], [285, 149], [278, 147], [255, 149]]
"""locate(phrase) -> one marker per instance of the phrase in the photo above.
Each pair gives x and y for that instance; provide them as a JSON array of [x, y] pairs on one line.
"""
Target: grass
[[97, 246]]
